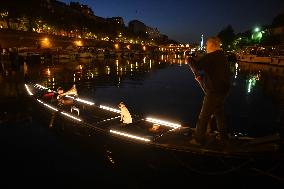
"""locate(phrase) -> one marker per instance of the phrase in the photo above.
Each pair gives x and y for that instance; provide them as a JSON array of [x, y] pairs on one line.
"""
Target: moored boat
[[262, 55]]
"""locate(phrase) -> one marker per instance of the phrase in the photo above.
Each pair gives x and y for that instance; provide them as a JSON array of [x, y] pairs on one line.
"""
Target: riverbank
[[18, 39]]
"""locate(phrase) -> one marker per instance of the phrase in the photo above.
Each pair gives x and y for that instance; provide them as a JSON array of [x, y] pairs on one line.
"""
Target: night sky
[[186, 20]]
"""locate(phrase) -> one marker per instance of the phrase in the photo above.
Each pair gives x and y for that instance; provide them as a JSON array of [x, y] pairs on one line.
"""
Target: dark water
[[161, 88]]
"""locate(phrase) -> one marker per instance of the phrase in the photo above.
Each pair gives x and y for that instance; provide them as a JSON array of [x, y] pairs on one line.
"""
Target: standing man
[[214, 78]]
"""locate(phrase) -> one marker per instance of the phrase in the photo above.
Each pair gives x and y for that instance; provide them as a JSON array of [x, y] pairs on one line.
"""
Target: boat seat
[[74, 108]]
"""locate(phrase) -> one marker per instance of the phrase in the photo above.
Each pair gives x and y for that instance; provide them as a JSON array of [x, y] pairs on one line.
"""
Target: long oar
[[194, 71]]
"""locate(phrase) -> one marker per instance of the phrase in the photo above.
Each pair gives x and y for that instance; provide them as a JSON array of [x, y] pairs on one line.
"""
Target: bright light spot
[[40, 86], [27, 88], [50, 107], [165, 123], [130, 136], [81, 100], [47, 105], [109, 119], [109, 109], [45, 43], [78, 43], [68, 115]]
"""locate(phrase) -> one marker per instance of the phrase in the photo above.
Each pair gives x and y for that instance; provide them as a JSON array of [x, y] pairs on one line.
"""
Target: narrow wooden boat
[[83, 116]]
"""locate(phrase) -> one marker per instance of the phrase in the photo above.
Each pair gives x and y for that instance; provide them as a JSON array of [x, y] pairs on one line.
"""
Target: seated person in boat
[[48, 95], [125, 116], [62, 99]]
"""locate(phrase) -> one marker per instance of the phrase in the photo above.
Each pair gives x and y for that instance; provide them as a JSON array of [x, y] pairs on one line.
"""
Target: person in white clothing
[[125, 116]]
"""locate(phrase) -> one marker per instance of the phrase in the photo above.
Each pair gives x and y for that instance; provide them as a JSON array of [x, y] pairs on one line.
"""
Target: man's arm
[[195, 64]]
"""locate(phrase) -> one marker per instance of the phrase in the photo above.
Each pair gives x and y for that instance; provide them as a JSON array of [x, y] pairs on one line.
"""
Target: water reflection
[[164, 87], [263, 102]]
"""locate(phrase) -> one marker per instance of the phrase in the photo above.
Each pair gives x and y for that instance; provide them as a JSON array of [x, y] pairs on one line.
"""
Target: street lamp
[[256, 29], [257, 34]]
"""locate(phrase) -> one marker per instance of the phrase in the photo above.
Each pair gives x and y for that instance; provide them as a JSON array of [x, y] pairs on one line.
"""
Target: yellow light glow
[[116, 46], [45, 43], [144, 48], [130, 136], [78, 43], [128, 47]]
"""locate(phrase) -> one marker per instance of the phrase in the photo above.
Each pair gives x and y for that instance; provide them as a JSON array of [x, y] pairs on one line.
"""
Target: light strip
[[110, 109], [165, 123], [109, 119], [27, 88], [81, 100], [68, 115], [50, 107], [40, 86], [130, 136], [47, 105], [39, 101]]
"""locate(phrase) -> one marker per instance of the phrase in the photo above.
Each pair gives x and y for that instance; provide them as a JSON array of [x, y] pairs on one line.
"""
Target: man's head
[[213, 44], [59, 90]]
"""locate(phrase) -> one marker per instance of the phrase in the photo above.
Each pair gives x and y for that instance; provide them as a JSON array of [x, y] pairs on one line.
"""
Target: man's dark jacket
[[216, 72]]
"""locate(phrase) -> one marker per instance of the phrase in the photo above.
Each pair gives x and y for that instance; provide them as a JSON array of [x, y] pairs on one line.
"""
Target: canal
[[164, 88]]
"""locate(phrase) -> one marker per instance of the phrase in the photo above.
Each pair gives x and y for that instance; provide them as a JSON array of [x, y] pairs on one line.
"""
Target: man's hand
[[198, 78]]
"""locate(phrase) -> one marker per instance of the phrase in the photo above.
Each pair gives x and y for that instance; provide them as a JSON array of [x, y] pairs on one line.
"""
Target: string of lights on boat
[[107, 108]]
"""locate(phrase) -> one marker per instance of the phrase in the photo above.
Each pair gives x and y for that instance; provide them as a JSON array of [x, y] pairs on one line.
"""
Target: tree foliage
[[227, 36]]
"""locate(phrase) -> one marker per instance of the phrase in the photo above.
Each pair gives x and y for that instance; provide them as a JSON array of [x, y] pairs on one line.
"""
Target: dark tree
[[227, 36], [278, 20]]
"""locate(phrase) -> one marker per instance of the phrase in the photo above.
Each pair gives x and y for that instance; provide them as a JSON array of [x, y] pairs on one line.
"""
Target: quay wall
[[12, 38]]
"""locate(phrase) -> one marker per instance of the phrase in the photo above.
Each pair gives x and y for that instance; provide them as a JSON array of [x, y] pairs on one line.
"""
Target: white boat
[[273, 60], [261, 55]]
